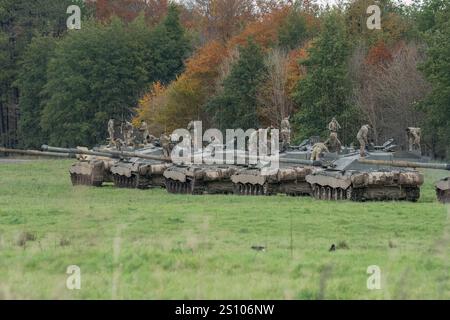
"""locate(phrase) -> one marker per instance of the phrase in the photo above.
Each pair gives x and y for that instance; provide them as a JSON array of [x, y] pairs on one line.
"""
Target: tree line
[[229, 63]]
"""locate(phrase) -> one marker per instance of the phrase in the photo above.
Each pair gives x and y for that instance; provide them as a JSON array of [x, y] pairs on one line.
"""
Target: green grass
[[199, 247]]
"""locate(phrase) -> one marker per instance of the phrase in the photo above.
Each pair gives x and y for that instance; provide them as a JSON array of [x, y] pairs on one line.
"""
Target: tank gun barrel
[[313, 163], [406, 164], [37, 153], [75, 151], [132, 154], [304, 162]]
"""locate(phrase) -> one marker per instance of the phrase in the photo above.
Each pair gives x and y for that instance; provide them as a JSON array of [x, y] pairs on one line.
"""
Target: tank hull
[[366, 186], [91, 172], [290, 181], [140, 174], [199, 179]]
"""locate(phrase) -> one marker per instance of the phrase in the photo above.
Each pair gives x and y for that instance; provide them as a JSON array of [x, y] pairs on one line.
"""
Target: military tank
[[91, 169], [200, 179], [350, 178], [295, 166], [138, 172], [202, 176], [95, 170], [289, 178], [442, 186]]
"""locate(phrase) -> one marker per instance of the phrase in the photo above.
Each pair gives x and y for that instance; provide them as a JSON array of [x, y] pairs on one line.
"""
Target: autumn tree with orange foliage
[[186, 97], [183, 100]]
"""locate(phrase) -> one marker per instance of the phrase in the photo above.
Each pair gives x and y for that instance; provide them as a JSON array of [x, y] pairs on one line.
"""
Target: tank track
[[328, 193], [246, 189], [188, 187], [133, 182], [443, 196], [358, 194], [84, 180]]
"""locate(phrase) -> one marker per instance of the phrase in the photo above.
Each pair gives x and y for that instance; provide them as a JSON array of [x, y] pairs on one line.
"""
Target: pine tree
[[293, 31], [236, 106], [323, 93], [170, 47]]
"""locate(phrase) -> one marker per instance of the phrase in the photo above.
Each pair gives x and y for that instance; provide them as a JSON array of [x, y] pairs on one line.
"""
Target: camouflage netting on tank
[[290, 181], [362, 186], [198, 179]]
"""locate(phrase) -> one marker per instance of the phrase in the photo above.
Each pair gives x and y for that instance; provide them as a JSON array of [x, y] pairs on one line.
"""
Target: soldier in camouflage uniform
[[334, 126], [111, 132], [128, 134], [317, 150], [145, 132], [333, 141], [166, 145], [414, 138], [362, 139], [285, 133]]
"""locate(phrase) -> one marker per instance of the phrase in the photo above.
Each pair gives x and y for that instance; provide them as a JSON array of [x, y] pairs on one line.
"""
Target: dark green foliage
[[428, 14], [169, 47], [324, 92], [20, 21], [437, 71], [292, 31], [236, 106], [97, 73], [32, 78], [100, 72]]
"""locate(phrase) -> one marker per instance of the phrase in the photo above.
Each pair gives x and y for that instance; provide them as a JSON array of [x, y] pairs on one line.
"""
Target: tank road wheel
[[335, 194], [349, 193], [237, 188], [315, 191], [188, 187], [169, 185], [328, 193], [341, 194], [265, 189]]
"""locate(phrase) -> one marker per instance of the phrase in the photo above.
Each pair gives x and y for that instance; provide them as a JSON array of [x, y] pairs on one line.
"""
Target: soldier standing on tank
[[414, 138], [111, 131], [317, 150], [334, 126], [285, 133], [362, 139], [333, 141], [145, 132], [165, 142], [128, 134]]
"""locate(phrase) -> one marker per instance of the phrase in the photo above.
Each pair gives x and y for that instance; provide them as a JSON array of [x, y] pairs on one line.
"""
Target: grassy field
[[152, 245]]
